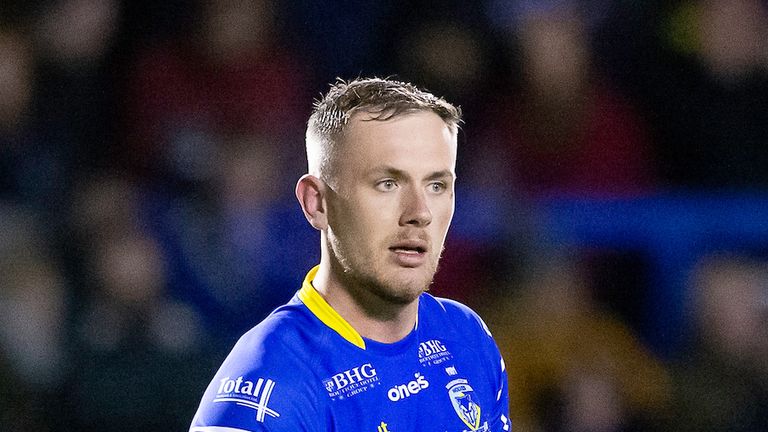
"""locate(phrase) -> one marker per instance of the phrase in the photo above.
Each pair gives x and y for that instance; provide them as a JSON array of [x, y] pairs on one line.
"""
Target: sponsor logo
[[463, 400], [382, 428], [351, 381], [249, 394], [451, 370], [433, 352], [403, 391]]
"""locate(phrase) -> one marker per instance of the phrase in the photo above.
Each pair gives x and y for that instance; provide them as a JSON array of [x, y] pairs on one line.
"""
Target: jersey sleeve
[[261, 387]]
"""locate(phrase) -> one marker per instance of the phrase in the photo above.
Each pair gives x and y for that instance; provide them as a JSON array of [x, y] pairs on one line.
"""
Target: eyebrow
[[441, 174], [394, 172]]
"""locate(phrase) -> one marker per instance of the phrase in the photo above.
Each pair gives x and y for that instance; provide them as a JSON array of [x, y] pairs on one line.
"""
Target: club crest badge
[[462, 398]]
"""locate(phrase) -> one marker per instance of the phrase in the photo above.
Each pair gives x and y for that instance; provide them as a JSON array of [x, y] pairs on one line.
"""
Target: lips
[[410, 247], [410, 253]]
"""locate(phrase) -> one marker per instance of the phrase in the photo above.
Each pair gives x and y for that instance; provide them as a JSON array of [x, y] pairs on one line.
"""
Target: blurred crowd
[[612, 210]]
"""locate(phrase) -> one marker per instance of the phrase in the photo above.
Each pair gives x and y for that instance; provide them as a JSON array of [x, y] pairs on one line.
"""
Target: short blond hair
[[381, 99]]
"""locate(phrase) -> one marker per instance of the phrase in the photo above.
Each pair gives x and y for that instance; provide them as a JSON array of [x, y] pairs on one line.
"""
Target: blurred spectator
[[237, 244], [73, 105], [444, 54], [15, 78], [566, 129], [573, 366], [16, 89], [232, 76], [33, 324], [218, 117], [76, 34], [706, 88], [104, 204], [447, 49], [721, 384], [134, 342]]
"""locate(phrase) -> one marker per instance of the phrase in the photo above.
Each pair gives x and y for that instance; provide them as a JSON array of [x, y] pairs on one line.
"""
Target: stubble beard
[[367, 277]]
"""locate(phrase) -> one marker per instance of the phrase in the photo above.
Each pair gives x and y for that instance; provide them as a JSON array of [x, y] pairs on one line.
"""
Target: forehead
[[419, 141]]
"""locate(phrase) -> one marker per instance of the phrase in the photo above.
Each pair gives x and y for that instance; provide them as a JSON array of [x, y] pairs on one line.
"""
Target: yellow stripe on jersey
[[323, 311]]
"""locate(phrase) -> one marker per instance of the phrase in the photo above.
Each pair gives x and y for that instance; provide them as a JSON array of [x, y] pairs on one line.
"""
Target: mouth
[[411, 247], [410, 253]]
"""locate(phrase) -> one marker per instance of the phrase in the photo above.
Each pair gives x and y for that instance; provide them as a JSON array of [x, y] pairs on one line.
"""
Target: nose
[[415, 208]]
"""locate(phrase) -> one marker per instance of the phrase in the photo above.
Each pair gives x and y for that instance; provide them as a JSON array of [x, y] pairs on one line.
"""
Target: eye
[[437, 187], [386, 185]]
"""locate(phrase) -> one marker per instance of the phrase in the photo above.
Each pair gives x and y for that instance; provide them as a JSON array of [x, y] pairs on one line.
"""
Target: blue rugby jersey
[[304, 368]]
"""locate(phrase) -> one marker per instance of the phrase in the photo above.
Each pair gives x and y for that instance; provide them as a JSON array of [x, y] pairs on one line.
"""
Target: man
[[361, 347]]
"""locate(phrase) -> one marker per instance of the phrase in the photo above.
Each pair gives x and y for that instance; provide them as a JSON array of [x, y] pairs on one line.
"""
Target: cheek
[[357, 224], [443, 214], [375, 211]]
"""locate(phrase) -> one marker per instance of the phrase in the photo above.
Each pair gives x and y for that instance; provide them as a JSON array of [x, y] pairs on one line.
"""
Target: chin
[[399, 295], [405, 289], [391, 283]]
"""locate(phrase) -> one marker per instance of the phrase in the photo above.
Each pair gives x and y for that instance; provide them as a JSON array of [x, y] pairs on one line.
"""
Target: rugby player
[[362, 346]]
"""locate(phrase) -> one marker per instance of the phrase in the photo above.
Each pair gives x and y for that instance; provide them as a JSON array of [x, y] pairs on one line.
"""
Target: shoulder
[[265, 381], [285, 336], [449, 306], [453, 321], [453, 314]]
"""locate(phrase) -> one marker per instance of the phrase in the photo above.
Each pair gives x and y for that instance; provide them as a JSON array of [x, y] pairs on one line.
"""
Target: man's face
[[392, 202]]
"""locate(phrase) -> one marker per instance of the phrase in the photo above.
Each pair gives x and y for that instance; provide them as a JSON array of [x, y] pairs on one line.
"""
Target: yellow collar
[[323, 311]]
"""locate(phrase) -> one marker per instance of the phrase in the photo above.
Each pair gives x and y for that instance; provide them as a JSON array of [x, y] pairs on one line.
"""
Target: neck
[[371, 316]]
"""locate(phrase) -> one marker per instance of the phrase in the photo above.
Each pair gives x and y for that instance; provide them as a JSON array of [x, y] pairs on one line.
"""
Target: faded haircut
[[381, 99]]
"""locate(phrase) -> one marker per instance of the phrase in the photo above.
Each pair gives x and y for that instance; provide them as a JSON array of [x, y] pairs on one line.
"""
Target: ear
[[310, 191]]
